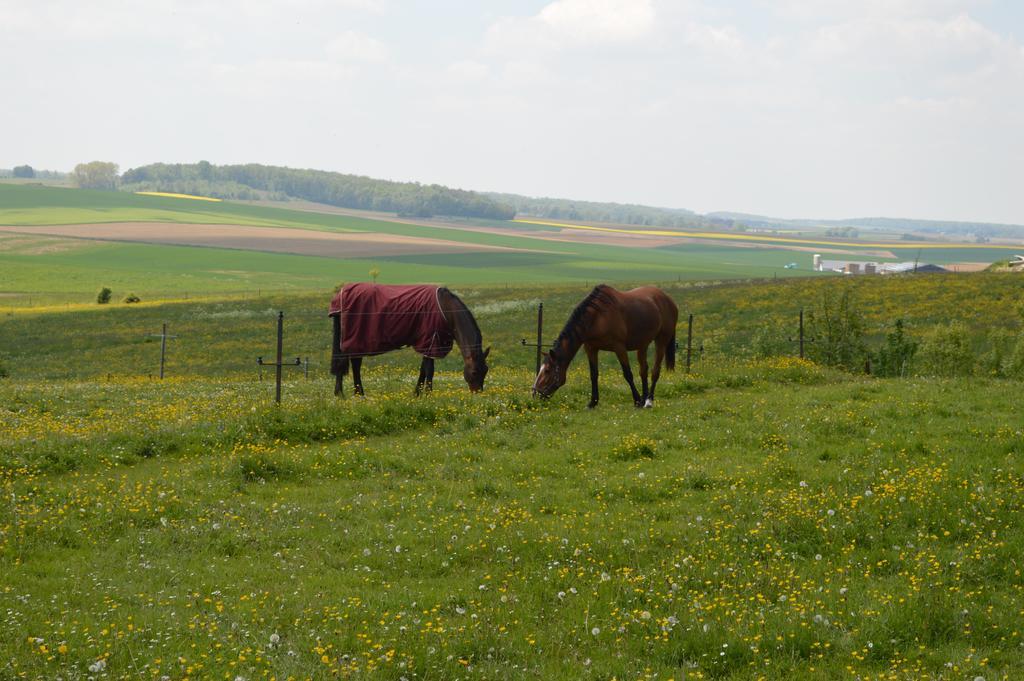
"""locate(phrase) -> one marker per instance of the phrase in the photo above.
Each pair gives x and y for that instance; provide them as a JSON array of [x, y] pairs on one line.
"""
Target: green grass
[[767, 519], [224, 336], [157, 271]]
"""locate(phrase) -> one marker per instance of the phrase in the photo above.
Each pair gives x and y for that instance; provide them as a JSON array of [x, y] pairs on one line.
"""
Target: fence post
[[801, 339], [163, 346], [163, 349], [540, 334], [305, 366], [280, 345], [689, 342], [801, 336]]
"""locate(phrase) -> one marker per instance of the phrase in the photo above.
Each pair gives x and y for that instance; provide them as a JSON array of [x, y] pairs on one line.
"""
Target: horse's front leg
[[338, 387], [627, 373], [357, 379], [641, 359], [659, 355], [423, 376], [592, 359], [429, 385]]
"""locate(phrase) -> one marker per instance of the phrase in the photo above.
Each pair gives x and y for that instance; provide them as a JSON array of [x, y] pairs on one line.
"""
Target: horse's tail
[[670, 353], [339, 360]]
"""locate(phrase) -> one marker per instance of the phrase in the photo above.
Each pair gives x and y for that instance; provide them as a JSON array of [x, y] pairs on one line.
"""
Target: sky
[[789, 108]]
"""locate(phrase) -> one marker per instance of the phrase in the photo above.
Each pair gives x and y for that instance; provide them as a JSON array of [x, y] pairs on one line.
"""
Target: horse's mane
[[477, 340], [596, 298]]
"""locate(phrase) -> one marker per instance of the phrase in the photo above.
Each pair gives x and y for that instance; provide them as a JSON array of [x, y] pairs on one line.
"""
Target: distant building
[[861, 267]]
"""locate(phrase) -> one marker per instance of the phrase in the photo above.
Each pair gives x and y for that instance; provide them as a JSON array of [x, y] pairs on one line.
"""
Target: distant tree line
[[848, 232], [253, 180], [28, 172], [95, 175], [619, 213]]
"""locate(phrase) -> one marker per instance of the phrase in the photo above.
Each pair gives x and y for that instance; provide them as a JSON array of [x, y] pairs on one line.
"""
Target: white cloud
[[353, 46], [468, 69], [598, 21], [796, 107], [574, 23]]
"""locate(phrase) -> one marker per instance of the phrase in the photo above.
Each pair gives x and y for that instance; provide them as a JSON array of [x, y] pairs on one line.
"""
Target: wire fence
[[224, 338]]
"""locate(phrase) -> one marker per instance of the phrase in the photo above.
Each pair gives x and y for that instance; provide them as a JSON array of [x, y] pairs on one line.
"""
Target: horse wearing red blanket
[[371, 320]]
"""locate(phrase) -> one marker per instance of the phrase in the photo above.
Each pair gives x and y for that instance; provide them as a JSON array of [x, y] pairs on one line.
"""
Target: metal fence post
[[163, 346], [801, 339], [280, 345], [540, 334], [801, 333], [163, 349], [689, 342]]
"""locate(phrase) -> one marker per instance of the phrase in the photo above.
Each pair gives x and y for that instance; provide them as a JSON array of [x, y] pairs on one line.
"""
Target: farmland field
[[770, 518], [251, 248]]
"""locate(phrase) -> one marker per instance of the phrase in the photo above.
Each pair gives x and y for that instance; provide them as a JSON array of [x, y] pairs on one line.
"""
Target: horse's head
[[551, 376], [475, 369]]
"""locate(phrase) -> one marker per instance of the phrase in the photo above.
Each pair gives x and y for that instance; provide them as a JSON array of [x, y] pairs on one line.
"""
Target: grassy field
[[766, 520], [163, 272], [769, 518], [65, 271], [223, 336]]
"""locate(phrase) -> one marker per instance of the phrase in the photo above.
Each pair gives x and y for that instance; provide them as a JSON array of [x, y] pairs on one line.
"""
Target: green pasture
[[765, 520], [769, 518], [223, 336], [73, 275], [160, 272]]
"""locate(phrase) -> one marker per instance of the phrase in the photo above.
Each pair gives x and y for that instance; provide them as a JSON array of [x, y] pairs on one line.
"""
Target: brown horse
[[370, 320], [616, 321]]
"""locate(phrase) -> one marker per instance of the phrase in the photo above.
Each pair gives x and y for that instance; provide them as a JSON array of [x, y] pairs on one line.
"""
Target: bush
[[946, 351], [132, 298], [893, 358], [1014, 364], [997, 359], [770, 340], [838, 331], [103, 297]]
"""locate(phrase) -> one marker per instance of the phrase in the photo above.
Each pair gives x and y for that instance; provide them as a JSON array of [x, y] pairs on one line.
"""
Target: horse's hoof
[[638, 404], [591, 405], [648, 404]]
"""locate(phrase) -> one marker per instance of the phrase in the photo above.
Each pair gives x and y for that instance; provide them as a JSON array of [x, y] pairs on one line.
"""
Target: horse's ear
[[551, 354], [487, 351]]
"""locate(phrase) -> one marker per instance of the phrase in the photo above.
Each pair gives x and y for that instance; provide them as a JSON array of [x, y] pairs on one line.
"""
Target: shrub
[[103, 297], [946, 351], [838, 331], [1014, 364], [997, 359], [770, 340], [893, 358], [132, 298]]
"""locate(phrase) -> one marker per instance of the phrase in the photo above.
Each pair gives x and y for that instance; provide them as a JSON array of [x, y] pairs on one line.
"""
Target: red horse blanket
[[376, 319]]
